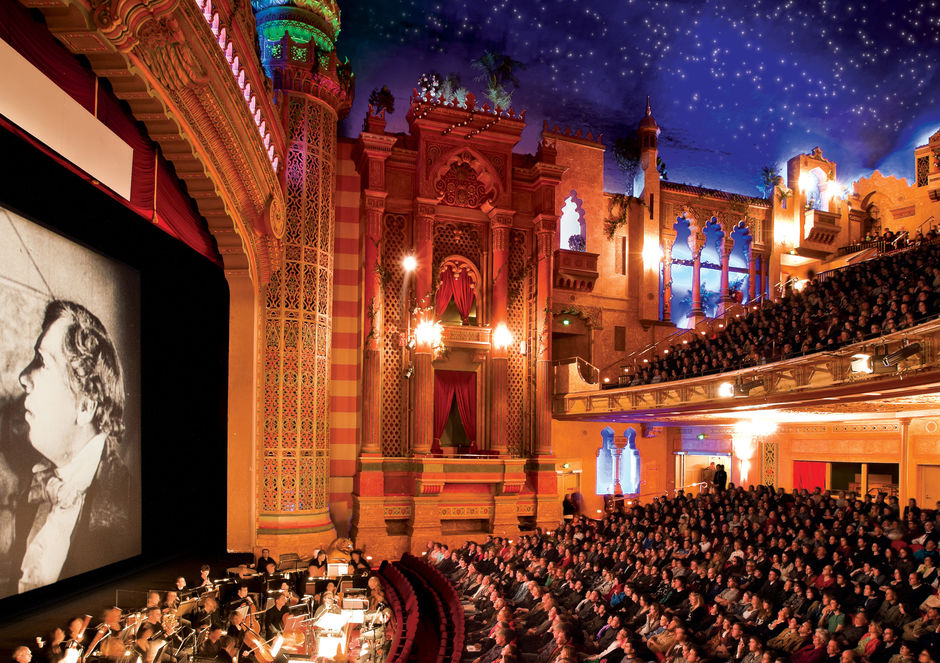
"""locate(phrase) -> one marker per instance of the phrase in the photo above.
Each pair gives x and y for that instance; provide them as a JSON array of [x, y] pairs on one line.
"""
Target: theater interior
[[525, 409]]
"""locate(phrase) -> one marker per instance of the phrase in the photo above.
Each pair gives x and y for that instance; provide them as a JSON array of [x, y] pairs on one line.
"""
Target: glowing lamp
[[409, 263], [726, 390], [652, 253], [429, 333], [606, 380], [502, 337], [800, 284], [566, 322], [806, 182]]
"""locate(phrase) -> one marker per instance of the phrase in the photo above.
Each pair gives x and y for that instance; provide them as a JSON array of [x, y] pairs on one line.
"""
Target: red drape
[[154, 188], [460, 287], [461, 385], [809, 474]]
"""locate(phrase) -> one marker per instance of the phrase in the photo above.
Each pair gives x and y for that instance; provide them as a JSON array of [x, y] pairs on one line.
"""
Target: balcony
[[821, 227], [575, 270], [466, 336], [823, 381]]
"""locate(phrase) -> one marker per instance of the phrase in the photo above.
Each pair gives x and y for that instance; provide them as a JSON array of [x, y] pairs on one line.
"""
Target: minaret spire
[[649, 110]]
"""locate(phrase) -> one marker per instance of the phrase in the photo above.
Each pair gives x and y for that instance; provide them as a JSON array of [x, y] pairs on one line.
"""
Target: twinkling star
[[735, 85]]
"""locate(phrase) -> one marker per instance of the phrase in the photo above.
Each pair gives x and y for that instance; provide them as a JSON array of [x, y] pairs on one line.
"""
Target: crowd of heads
[[887, 294], [756, 575]]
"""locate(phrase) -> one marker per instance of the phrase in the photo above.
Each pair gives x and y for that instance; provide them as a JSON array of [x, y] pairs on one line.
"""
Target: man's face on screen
[[52, 408]]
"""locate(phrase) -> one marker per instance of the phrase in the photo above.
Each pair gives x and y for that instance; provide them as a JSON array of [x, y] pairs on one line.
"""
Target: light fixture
[[701, 436], [566, 465], [606, 380], [726, 390], [806, 181], [861, 363], [566, 322], [901, 354], [409, 263], [744, 388], [502, 337], [652, 253], [429, 333], [799, 284]]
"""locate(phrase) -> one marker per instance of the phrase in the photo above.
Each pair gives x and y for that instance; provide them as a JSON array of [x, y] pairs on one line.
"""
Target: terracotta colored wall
[[902, 206]]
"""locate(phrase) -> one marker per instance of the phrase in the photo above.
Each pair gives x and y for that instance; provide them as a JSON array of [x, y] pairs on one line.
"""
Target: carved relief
[[460, 186], [163, 49]]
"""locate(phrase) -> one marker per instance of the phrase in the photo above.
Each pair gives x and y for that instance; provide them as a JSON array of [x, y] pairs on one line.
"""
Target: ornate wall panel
[[393, 248], [296, 435], [518, 324], [464, 239]]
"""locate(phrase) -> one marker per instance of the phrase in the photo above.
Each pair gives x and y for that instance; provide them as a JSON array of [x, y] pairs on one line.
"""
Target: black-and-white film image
[[70, 488]]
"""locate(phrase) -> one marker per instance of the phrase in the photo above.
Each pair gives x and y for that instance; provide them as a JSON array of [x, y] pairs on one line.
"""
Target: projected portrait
[[69, 432]]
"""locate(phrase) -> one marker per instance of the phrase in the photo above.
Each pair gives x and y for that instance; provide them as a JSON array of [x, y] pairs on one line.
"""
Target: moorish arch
[[465, 178]]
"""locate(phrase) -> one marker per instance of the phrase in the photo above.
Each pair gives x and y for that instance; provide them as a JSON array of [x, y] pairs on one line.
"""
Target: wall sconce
[[429, 333], [502, 337]]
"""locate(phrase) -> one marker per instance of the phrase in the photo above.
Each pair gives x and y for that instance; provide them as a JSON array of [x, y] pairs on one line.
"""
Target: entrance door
[[929, 481]]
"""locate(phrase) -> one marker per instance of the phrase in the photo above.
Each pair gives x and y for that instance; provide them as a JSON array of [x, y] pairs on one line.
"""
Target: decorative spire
[[649, 111]]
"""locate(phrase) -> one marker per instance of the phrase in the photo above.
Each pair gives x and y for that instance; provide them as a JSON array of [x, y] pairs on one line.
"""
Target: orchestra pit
[[287, 374]]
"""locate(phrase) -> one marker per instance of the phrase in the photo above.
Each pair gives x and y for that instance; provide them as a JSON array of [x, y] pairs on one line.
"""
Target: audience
[[732, 575], [890, 293]]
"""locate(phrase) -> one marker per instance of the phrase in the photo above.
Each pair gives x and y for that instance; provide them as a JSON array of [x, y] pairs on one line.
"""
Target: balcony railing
[[824, 376]]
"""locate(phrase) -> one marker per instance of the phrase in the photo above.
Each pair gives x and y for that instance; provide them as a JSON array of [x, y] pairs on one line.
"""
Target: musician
[[264, 560], [228, 650], [270, 570], [152, 621], [274, 617], [317, 566], [22, 654], [52, 650], [108, 633], [153, 600], [373, 630], [80, 493], [204, 581], [180, 584], [209, 614], [358, 564], [141, 651], [242, 599], [237, 627], [211, 647], [172, 601], [76, 633]]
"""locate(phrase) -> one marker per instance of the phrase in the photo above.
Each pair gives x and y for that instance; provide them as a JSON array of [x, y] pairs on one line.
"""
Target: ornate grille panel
[[532, 353], [393, 248], [518, 325], [462, 239], [298, 301], [923, 171]]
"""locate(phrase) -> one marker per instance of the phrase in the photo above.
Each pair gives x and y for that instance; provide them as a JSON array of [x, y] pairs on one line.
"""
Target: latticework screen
[[518, 325], [462, 239], [296, 436], [393, 248]]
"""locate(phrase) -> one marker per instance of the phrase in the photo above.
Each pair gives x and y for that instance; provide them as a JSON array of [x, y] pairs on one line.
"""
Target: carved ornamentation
[[164, 50], [460, 186]]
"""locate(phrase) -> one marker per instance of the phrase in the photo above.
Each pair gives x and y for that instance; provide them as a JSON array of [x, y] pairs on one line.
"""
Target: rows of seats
[[453, 628], [404, 604]]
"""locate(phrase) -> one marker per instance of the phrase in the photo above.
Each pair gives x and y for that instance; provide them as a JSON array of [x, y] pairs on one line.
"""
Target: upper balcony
[[821, 227], [892, 368], [575, 270]]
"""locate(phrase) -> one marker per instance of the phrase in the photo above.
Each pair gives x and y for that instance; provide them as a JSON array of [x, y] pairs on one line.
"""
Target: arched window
[[680, 305], [738, 282], [572, 229], [456, 298], [606, 465], [710, 275]]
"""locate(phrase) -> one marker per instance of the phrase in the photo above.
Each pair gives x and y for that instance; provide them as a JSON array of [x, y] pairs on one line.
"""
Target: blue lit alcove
[[680, 304], [737, 262], [710, 277]]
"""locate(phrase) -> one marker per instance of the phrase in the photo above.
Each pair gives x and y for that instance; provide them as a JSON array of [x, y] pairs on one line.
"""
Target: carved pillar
[[725, 252], [424, 400], [424, 250], [295, 464], [697, 314], [374, 299], [667, 282], [543, 367], [500, 224], [751, 273]]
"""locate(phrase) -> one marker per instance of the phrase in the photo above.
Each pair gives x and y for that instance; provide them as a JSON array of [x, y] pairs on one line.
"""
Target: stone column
[[725, 253], [424, 400], [545, 237], [751, 273], [424, 251], [697, 314], [500, 224], [907, 470], [293, 504], [667, 282], [373, 325]]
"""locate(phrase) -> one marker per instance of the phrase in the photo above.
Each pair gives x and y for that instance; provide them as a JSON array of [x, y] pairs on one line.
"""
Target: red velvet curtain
[[809, 474], [461, 385], [155, 189], [460, 287]]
